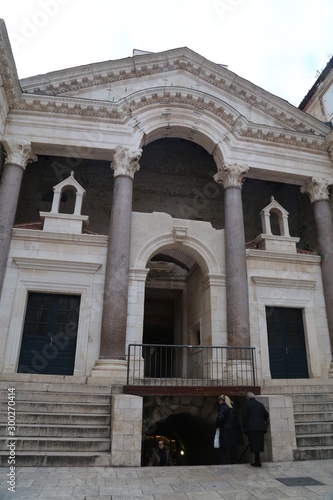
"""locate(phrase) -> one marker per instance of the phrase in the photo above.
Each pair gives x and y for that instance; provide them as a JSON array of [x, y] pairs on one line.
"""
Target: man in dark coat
[[161, 455], [255, 418], [230, 430]]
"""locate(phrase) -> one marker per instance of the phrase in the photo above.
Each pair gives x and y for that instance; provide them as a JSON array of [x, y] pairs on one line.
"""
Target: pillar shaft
[[18, 154], [238, 322], [236, 271], [317, 188], [324, 226], [114, 321], [117, 272]]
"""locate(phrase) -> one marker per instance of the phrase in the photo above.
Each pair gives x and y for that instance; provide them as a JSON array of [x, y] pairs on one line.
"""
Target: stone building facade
[[162, 199]]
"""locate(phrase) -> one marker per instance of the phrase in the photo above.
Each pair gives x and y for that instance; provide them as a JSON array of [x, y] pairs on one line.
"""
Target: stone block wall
[[280, 439], [126, 430]]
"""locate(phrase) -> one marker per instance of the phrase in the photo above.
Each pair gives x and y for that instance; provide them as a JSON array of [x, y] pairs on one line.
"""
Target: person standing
[[161, 455], [255, 419], [230, 430]]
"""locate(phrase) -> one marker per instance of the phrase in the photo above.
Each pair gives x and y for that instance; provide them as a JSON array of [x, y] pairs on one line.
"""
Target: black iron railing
[[188, 365]]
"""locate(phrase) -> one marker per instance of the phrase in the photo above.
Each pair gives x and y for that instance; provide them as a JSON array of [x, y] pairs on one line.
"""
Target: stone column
[[18, 155], [317, 188], [113, 337], [232, 176]]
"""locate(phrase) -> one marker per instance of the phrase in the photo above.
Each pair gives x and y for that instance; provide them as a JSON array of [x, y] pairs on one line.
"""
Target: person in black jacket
[[255, 418], [230, 430], [161, 455]]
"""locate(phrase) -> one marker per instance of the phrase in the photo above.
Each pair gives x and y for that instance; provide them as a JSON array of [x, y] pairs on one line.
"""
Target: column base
[[110, 371]]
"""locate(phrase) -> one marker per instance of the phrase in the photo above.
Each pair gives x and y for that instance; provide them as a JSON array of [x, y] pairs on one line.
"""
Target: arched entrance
[[188, 437], [186, 424], [173, 312]]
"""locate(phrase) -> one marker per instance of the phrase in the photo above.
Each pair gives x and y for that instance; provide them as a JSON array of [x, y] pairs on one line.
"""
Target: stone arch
[[188, 114], [190, 245], [189, 419]]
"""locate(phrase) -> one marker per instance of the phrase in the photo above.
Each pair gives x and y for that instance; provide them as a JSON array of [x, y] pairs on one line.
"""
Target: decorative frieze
[[118, 112], [179, 59], [329, 144]]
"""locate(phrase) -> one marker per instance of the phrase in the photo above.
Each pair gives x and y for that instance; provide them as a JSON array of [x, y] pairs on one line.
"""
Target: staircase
[[65, 424], [313, 414]]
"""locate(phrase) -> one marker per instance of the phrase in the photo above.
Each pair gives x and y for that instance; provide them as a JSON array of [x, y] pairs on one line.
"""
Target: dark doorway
[[190, 437], [161, 322], [286, 343], [49, 335]]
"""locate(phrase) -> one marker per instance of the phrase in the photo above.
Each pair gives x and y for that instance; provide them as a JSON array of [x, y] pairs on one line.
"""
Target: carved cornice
[[329, 143], [69, 106], [317, 188], [126, 162], [32, 263], [75, 79], [264, 134], [172, 97], [8, 71]]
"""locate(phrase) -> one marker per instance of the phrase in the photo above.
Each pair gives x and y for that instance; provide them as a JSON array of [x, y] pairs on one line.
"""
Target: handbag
[[217, 438]]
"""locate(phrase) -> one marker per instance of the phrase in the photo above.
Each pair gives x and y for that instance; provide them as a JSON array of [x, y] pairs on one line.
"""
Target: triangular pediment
[[180, 72]]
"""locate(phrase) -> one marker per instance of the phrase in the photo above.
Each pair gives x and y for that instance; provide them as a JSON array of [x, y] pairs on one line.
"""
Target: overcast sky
[[279, 45]]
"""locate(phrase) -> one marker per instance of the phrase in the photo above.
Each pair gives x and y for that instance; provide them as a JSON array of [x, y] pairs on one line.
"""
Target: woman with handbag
[[230, 430]]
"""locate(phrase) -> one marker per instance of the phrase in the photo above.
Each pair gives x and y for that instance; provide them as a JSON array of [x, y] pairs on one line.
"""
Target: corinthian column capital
[[317, 188], [18, 152], [231, 175], [126, 162]]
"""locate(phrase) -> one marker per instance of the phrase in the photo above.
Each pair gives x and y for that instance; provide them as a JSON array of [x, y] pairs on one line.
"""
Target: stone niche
[[270, 242], [57, 222]]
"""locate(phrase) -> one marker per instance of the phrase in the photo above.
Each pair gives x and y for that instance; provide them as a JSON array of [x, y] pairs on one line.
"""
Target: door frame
[[291, 293], [284, 348], [15, 332], [49, 348]]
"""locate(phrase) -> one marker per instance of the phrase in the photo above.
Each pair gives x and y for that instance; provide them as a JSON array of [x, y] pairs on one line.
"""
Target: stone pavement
[[213, 482]]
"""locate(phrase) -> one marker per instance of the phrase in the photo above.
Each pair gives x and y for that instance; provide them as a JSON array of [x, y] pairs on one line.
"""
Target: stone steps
[[312, 407], [56, 406], [51, 430], [314, 453], [25, 443], [320, 416], [313, 415], [63, 397], [58, 459], [58, 418], [56, 424], [313, 398], [314, 440], [314, 427]]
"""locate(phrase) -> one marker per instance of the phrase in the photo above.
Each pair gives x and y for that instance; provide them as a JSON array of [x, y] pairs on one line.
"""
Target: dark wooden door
[[286, 343], [49, 335]]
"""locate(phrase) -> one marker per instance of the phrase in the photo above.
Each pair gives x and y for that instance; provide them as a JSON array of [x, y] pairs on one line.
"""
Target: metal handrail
[[190, 365]]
